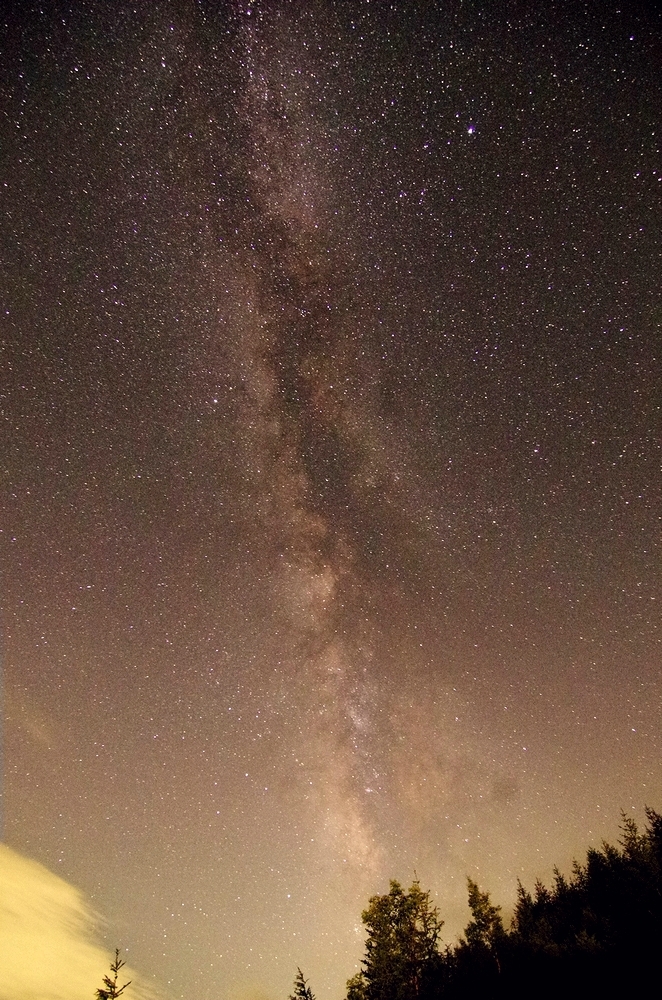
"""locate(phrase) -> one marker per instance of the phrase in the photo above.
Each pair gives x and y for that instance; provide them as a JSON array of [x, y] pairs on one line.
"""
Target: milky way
[[331, 353]]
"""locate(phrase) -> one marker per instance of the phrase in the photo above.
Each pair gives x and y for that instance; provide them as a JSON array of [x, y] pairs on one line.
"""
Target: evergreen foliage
[[110, 990], [486, 927], [302, 990], [595, 934]]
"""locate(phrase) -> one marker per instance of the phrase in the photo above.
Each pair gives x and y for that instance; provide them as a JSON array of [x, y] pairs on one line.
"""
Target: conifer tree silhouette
[[110, 990], [302, 990]]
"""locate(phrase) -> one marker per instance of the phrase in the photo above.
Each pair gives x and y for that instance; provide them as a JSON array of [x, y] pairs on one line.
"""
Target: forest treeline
[[596, 934]]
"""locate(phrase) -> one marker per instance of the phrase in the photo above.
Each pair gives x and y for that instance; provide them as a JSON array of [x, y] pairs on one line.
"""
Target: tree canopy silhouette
[[402, 944], [596, 933]]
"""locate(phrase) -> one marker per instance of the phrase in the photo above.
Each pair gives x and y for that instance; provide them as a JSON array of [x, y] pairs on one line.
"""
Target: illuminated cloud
[[47, 949]]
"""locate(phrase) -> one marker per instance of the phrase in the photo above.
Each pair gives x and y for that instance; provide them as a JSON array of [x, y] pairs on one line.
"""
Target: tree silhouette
[[403, 932], [486, 927], [595, 933], [110, 990], [302, 990], [357, 986]]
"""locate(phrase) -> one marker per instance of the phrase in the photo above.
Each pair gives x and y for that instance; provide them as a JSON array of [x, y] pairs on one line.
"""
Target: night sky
[[331, 452]]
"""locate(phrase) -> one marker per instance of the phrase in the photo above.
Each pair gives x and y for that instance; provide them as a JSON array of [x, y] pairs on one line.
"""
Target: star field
[[331, 402]]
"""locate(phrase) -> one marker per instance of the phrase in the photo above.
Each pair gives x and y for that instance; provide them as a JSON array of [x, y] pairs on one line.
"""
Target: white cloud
[[47, 948]]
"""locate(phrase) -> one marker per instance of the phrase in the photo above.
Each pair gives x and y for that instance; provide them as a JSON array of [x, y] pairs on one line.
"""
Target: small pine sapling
[[110, 990]]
